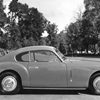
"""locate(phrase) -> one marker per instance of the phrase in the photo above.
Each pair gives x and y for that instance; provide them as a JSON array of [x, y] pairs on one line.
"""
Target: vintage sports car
[[44, 67]]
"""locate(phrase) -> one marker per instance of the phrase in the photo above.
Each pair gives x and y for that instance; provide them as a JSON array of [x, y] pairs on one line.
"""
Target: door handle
[[36, 67]]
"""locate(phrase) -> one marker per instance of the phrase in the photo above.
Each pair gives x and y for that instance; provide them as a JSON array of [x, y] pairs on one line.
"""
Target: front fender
[[19, 68]]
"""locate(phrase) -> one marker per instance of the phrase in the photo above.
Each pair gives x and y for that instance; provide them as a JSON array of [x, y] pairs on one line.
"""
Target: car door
[[46, 70]]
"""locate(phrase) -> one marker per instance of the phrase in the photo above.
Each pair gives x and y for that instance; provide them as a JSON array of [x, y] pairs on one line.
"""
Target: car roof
[[29, 48]]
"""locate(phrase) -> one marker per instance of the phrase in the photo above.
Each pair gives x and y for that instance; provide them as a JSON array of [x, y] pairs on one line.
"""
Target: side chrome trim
[[55, 88]]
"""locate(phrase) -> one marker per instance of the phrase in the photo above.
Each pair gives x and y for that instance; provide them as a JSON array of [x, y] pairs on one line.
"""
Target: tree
[[13, 36], [33, 24], [3, 20], [73, 37], [62, 45], [3, 17], [89, 23], [52, 37], [30, 23]]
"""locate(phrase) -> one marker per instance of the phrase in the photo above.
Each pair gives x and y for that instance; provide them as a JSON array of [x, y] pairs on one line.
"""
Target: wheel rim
[[96, 84], [9, 83]]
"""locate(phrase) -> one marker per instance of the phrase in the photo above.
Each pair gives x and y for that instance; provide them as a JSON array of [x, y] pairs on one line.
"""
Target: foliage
[[62, 45], [52, 35], [3, 20], [90, 23], [82, 35], [3, 17], [23, 26], [73, 37]]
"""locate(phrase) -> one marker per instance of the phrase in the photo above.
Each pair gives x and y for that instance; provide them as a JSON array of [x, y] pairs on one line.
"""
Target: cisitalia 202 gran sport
[[44, 67]]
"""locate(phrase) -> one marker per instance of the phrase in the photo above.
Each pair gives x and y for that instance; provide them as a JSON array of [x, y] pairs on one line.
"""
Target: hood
[[83, 59], [91, 63]]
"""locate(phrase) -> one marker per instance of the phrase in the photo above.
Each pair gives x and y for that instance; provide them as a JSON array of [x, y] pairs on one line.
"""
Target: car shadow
[[53, 92]]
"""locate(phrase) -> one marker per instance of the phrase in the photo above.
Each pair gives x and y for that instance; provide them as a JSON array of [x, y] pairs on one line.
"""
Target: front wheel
[[94, 84], [9, 83]]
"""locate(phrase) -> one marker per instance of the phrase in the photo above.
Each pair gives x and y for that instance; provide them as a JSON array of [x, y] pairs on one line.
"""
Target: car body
[[43, 67]]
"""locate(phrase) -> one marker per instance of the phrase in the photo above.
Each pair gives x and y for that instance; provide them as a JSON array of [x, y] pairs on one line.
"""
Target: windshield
[[60, 54]]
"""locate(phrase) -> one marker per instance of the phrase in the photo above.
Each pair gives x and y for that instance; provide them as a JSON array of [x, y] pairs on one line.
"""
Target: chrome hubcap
[[96, 84], [9, 83]]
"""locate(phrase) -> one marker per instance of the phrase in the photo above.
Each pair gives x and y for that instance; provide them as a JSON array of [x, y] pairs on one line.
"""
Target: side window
[[45, 56], [23, 57]]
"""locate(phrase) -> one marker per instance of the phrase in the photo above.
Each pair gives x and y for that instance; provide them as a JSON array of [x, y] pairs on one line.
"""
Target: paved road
[[50, 95]]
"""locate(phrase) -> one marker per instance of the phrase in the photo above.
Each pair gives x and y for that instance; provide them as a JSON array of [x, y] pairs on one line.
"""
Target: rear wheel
[[94, 84], [9, 83]]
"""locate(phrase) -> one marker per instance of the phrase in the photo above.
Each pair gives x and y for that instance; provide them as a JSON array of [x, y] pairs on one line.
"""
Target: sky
[[60, 12]]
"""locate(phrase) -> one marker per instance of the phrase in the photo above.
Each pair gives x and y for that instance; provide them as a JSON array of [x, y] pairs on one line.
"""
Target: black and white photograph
[[49, 49]]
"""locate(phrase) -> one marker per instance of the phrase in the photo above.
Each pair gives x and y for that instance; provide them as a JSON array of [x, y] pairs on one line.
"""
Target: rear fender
[[19, 68]]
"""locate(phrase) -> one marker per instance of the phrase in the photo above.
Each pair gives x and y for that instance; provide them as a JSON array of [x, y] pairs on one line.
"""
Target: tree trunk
[[87, 49]]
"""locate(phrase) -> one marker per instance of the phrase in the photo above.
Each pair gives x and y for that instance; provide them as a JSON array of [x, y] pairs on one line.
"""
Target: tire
[[9, 83], [94, 84]]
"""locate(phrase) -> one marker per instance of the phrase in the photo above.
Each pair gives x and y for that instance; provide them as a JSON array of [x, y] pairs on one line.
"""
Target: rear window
[[23, 57]]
